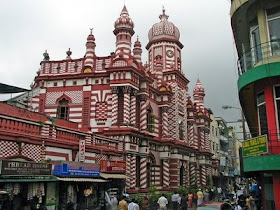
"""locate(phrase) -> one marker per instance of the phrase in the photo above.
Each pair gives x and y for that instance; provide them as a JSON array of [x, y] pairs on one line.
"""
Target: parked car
[[215, 206]]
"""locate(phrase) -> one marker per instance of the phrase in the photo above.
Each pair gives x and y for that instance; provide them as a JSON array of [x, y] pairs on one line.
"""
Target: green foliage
[[138, 198], [181, 190], [153, 195]]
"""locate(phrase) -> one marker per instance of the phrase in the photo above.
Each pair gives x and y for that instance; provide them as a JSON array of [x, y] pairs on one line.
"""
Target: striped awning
[[72, 179], [113, 176]]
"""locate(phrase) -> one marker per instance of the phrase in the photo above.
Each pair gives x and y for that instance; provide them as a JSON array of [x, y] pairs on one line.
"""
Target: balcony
[[261, 54]]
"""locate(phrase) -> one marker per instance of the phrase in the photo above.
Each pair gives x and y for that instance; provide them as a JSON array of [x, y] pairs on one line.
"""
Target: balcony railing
[[273, 138], [258, 55]]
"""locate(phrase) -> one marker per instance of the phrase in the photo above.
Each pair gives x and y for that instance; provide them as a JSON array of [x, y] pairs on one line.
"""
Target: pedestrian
[[220, 191], [238, 206], [206, 196], [175, 198], [162, 202], [132, 205], [145, 203], [190, 199], [199, 197], [123, 204], [211, 194], [195, 199], [183, 202]]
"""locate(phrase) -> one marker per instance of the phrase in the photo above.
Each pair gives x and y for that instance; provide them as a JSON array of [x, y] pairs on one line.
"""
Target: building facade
[[255, 25], [163, 133]]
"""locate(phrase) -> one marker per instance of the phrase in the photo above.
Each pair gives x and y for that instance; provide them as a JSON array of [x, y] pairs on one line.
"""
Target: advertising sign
[[254, 146], [65, 168], [21, 168], [82, 150], [112, 166]]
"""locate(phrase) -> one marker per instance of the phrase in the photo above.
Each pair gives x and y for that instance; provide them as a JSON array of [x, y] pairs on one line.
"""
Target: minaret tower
[[90, 50], [164, 47], [137, 51], [123, 31], [198, 94]]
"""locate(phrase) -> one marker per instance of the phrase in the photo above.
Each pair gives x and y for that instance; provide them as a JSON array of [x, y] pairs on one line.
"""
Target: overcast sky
[[29, 27]]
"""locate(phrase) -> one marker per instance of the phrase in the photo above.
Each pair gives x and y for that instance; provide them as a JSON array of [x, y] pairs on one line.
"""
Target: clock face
[[170, 53]]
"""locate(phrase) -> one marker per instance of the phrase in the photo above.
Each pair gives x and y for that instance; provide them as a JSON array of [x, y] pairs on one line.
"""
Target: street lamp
[[242, 116]]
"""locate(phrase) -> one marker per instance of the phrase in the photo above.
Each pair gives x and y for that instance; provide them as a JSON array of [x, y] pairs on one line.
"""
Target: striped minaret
[[143, 172], [165, 122], [123, 32], [128, 165], [133, 107], [174, 169], [137, 51], [203, 175], [115, 92], [192, 174], [126, 112], [143, 112], [90, 50], [133, 172], [195, 139], [166, 173]]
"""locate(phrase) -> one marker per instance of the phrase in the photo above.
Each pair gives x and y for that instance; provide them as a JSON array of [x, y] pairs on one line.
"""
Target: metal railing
[[258, 55]]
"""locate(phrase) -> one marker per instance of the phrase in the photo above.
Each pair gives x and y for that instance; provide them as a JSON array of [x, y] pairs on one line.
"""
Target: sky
[[29, 27]]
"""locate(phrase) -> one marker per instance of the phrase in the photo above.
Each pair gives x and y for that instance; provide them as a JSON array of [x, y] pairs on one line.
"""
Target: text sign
[[65, 168], [112, 166], [254, 146], [82, 150], [19, 168]]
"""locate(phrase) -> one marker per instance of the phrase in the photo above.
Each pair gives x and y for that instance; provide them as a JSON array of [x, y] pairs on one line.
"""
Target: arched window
[[63, 109], [182, 175]]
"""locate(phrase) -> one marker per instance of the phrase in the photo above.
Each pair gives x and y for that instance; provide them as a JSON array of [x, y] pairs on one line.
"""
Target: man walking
[[175, 197], [162, 202]]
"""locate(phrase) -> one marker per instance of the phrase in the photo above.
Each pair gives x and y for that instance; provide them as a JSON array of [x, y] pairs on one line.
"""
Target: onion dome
[[124, 22], [164, 29]]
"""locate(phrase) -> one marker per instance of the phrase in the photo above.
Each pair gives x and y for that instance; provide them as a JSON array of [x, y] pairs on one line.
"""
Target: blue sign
[[76, 169]]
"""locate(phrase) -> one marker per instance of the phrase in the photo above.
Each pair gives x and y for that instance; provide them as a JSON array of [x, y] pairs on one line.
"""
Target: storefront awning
[[72, 179], [113, 176]]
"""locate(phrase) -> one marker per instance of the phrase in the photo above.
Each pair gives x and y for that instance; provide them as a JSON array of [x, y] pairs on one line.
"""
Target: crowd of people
[[192, 199]]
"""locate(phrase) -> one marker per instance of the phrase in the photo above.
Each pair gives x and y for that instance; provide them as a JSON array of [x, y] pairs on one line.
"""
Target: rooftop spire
[[124, 10], [163, 16]]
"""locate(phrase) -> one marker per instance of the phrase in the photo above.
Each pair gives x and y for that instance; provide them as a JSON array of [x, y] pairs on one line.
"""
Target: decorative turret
[[198, 94], [123, 31], [137, 51], [90, 50]]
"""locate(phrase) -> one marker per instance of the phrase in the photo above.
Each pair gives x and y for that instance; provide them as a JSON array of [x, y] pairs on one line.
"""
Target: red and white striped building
[[163, 133]]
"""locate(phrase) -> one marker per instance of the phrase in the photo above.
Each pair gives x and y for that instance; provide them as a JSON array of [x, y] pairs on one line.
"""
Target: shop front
[[114, 172], [80, 185], [27, 184]]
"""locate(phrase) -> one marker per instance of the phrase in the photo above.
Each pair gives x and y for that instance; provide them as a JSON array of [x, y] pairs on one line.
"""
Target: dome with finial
[[164, 29], [124, 21], [90, 36], [137, 43]]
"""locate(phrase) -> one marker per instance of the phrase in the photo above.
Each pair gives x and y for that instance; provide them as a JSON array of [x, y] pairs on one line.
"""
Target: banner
[[254, 146], [82, 150]]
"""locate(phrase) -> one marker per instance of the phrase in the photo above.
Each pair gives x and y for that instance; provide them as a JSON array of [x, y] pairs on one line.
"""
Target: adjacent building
[[255, 25]]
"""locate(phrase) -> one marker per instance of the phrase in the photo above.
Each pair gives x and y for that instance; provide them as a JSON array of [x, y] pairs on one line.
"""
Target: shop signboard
[[254, 146], [22, 168], [112, 166], [67, 168], [82, 150]]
